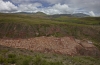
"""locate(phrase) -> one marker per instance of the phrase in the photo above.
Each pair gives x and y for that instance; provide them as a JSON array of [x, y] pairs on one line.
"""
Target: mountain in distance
[[37, 13], [23, 13], [80, 15], [71, 15], [56, 15]]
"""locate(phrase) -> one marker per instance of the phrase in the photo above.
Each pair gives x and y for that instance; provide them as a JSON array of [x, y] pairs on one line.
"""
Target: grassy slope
[[25, 57], [24, 26], [29, 25]]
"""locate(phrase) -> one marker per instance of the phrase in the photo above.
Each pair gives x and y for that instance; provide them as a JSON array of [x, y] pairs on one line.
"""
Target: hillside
[[62, 35], [79, 15], [23, 26]]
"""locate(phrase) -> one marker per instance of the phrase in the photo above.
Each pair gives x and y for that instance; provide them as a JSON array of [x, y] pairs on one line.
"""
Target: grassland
[[26, 26], [14, 25], [10, 56]]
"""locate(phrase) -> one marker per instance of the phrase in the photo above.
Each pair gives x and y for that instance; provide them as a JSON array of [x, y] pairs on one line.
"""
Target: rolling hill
[[77, 38]]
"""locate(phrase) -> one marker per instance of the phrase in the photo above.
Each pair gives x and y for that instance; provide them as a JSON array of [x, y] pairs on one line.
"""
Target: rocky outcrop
[[87, 48], [62, 45]]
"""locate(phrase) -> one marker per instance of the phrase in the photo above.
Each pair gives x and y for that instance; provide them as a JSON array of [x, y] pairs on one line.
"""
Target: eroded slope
[[62, 45]]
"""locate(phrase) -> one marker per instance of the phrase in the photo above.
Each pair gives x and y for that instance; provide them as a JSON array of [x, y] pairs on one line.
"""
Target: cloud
[[55, 9], [7, 6], [29, 7], [52, 1], [52, 6], [91, 13], [58, 9], [87, 5]]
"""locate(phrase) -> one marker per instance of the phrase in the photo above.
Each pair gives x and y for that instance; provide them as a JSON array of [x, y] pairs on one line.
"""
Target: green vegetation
[[27, 57], [30, 25]]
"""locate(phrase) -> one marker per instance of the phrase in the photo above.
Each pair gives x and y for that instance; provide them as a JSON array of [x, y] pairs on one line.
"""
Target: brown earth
[[62, 45]]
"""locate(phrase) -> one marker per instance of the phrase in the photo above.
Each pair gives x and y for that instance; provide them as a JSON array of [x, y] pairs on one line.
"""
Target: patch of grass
[[26, 57], [11, 55], [23, 59], [2, 59], [40, 61]]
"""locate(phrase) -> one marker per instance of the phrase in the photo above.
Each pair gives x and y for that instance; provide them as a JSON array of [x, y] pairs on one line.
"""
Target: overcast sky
[[91, 7]]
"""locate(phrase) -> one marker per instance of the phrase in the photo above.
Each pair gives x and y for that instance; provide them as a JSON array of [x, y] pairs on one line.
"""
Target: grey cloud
[[53, 1], [91, 13], [22, 1], [58, 9], [7, 6], [74, 6], [55, 9], [29, 7], [88, 5]]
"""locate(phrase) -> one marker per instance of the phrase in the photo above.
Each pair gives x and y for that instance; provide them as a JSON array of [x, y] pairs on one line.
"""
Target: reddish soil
[[63, 45]]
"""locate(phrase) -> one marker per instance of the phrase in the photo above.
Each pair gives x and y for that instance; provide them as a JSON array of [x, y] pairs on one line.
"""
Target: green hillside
[[32, 25], [24, 26], [13, 25]]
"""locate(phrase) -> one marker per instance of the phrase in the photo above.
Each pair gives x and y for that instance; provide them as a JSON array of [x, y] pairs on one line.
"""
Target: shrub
[[39, 61], [26, 62], [2, 59], [11, 55], [11, 58]]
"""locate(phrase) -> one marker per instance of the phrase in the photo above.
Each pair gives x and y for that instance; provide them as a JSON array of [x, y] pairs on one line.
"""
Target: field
[[31, 25], [10, 56]]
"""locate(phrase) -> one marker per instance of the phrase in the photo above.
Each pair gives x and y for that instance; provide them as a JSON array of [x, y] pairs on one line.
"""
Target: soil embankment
[[62, 45]]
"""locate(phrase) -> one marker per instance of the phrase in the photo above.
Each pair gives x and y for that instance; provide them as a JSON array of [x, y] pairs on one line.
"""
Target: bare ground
[[62, 45]]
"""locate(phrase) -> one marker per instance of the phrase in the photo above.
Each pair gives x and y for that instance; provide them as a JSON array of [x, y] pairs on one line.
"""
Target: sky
[[50, 7]]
